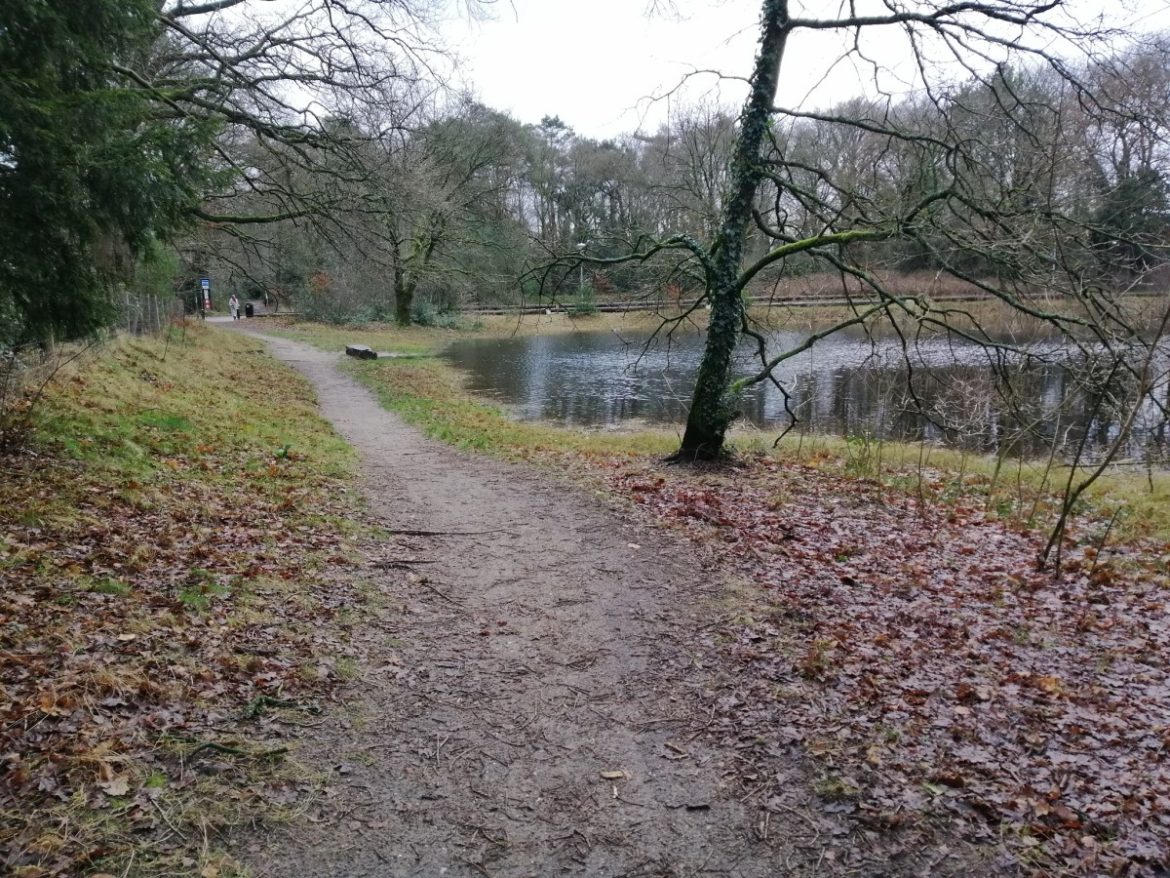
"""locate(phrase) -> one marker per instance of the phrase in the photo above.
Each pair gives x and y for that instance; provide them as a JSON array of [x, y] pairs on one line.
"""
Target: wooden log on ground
[[361, 352]]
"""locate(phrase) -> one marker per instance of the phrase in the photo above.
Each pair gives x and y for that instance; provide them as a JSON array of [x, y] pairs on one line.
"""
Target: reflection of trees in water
[[1021, 410], [1017, 407]]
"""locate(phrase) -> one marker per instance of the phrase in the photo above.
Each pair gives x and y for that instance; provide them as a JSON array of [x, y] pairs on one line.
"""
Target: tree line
[[310, 154], [464, 205], [308, 157]]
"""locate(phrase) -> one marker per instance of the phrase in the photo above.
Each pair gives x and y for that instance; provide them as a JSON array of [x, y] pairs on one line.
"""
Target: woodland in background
[[147, 145], [470, 208], [310, 157], [182, 498]]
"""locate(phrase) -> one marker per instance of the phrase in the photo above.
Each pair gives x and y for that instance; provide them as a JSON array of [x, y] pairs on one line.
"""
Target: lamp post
[[581, 267]]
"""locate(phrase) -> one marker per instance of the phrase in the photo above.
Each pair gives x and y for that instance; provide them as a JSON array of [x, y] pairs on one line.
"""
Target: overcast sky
[[596, 63]]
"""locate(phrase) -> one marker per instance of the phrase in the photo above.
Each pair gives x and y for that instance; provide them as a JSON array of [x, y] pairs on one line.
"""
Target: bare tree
[[433, 192], [279, 86], [688, 163], [972, 175]]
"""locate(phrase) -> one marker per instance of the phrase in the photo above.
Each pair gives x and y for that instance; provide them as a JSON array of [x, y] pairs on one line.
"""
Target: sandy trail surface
[[532, 643]]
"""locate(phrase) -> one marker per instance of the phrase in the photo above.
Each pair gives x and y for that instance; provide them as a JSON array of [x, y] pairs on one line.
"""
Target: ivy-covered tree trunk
[[712, 407], [403, 299]]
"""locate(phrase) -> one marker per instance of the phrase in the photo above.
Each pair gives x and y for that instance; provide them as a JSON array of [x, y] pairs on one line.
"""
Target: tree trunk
[[402, 304], [403, 290], [712, 410]]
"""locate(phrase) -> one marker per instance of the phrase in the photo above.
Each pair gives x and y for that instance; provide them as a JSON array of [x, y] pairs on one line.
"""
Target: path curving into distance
[[542, 643]]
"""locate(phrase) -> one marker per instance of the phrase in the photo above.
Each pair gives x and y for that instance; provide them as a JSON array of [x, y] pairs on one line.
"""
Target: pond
[[850, 384]]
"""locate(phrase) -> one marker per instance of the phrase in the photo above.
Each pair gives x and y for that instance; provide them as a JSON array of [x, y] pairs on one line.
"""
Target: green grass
[[142, 407], [165, 421], [1024, 491], [145, 455], [111, 587], [430, 393]]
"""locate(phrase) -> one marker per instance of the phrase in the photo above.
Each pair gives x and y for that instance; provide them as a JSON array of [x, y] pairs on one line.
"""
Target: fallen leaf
[[613, 775], [115, 786], [1051, 685]]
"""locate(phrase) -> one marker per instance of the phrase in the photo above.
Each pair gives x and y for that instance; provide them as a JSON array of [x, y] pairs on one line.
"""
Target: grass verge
[[895, 629], [165, 600], [430, 393], [893, 626]]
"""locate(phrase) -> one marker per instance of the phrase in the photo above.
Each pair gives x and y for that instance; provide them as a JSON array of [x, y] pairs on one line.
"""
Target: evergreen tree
[[92, 168], [1133, 222]]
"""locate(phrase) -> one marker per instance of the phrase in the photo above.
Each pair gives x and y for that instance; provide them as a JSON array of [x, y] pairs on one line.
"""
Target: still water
[[939, 390]]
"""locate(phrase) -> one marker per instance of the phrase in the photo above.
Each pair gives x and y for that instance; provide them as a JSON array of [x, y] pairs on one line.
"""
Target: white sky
[[595, 63]]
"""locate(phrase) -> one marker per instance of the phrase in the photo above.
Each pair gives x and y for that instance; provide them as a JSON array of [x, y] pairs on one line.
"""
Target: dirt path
[[543, 643]]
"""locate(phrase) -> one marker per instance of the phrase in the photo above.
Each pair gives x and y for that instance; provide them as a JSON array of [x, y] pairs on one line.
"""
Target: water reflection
[[939, 390]]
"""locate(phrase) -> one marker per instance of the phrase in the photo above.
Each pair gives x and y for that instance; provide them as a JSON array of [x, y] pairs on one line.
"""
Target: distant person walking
[[234, 307]]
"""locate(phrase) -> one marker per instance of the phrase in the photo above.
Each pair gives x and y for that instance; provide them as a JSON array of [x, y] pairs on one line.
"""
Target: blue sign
[[205, 282]]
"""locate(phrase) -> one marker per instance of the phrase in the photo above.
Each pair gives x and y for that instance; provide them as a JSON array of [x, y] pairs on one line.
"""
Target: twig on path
[[381, 856], [703, 867], [398, 532], [569, 602], [425, 584], [574, 833], [496, 759], [752, 793], [374, 849], [710, 720], [798, 813], [584, 662], [619, 797], [665, 721], [166, 819], [403, 563]]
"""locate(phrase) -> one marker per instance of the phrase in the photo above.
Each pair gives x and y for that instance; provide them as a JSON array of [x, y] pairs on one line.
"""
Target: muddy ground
[[530, 701]]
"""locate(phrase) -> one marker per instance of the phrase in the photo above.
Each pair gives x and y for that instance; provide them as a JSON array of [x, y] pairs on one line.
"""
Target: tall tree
[[988, 212], [89, 173], [127, 122], [435, 192], [711, 408]]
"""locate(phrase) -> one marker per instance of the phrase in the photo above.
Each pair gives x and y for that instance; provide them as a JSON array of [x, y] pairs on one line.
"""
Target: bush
[[424, 313], [584, 303]]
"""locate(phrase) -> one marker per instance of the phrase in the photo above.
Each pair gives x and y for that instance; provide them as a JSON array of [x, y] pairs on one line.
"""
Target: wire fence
[[140, 314], [26, 370]]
